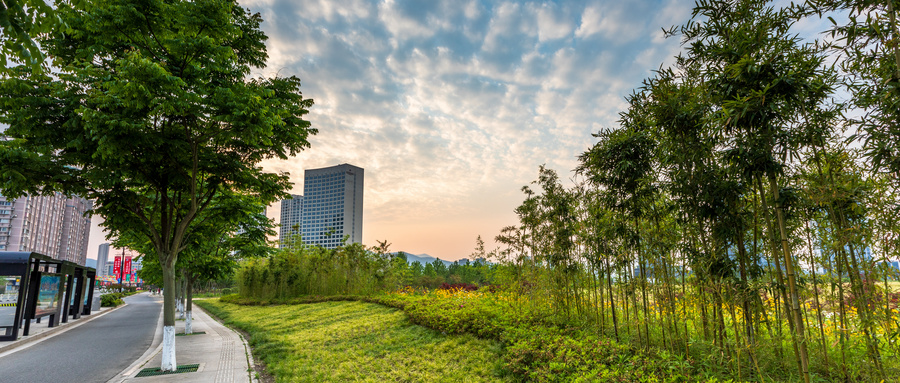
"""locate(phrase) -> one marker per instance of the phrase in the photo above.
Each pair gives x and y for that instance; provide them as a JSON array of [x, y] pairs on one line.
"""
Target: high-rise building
[[102, 257], [291, 209], [332, 206], [51, 225]]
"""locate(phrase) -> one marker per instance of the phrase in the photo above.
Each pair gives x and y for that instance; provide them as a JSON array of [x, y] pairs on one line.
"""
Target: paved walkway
[[222, 353]]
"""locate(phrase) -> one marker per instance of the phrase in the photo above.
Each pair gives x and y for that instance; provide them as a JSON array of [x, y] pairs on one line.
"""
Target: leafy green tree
[[869, 45], [440, 268], [20, 22], [622, 163], [152, 116], [764, 82], [416, 270]]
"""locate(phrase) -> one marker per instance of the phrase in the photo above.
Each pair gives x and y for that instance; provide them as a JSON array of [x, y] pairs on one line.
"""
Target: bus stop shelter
[[41, 286]]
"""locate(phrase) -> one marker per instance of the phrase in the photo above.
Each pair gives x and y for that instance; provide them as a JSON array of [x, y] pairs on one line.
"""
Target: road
[[93, 352]]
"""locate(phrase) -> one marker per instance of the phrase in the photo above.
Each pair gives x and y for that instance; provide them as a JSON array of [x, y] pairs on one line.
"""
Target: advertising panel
[[48, 295], [74, 285], [9, 293], [127, 265], [117, 266]]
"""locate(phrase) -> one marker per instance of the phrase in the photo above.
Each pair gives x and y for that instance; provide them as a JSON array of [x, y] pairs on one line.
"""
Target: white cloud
[[399, 25], [451, 107], [551, 24], [612, 22]]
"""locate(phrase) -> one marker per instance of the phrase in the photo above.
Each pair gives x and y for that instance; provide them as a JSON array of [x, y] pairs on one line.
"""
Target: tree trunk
[[812, 263], [643, 266], [168, 349], [612, 298], [189, 294], [745, 293], [779, 290], [182, 288], [799, 327]]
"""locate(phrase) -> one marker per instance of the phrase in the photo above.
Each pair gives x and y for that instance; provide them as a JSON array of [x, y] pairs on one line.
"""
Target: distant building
[[291, 210], [332, 206], [51, 225], [102, 258]]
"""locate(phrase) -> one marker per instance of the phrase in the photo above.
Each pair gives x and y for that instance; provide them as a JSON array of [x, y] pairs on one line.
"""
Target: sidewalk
[[221, 353]]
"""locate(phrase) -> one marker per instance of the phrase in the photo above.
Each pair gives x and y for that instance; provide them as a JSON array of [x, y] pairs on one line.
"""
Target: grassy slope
[[355, 341]]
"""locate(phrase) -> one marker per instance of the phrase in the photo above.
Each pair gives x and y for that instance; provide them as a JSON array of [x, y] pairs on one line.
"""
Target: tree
[[20, 22], [152, 116], [232, 227], [622, 163], [765, 84], [869, 50]]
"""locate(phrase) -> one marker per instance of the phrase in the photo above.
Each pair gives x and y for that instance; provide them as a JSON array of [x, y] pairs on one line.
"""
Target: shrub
[[111, 300], [459, 286]]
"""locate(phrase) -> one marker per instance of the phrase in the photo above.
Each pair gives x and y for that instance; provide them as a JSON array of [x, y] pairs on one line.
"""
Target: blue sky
[[451, 106]]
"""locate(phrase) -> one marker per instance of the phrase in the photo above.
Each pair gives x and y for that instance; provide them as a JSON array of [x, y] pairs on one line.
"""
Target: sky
[[451, 106]]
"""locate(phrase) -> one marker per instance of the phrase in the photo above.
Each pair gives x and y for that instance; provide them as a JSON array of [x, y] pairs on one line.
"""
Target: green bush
[[115, 299], [295, 272], [111, 300]]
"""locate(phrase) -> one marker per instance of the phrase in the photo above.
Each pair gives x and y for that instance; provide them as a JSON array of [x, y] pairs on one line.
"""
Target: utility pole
[[122, 272]]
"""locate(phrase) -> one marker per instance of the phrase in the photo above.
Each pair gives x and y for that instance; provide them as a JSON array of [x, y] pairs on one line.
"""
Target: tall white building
[[102, 258], [52, 225], [332, 206], [291, 210]]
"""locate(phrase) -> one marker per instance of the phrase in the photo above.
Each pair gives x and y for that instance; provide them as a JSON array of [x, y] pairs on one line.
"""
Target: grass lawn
[[356, 341]]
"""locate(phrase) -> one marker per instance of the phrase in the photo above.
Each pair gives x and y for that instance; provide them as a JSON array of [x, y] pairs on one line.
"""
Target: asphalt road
[[93, 352]]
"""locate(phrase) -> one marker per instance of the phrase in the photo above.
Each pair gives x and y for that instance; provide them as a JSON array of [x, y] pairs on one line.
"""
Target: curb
[[22, 342]]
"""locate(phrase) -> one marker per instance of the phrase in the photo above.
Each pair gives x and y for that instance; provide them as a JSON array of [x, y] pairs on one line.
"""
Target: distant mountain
[[425, 258]]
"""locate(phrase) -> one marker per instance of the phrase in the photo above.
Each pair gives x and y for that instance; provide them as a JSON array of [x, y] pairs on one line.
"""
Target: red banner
[[117, 266], [127, 265]]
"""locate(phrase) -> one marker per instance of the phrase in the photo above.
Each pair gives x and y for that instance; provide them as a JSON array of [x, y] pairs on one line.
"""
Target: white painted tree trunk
[[180, 310], [187, 324], [168, 349]]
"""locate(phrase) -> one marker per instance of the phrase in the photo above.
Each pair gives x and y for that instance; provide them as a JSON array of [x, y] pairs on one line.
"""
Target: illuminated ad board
[[48, 296]]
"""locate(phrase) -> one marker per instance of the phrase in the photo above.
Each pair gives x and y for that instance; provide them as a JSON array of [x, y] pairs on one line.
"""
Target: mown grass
[[535, 348], [357, 341]]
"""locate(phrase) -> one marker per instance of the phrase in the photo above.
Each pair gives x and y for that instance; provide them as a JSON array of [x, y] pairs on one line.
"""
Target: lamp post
[[122, 272]]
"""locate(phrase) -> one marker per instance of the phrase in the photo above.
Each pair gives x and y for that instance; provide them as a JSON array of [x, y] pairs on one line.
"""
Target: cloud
[[451, 106]]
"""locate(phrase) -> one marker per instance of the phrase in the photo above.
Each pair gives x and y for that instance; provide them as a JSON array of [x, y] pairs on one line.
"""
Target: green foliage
[[535, 348], [151, 115], [728, 230], [305, 270], [111, 300], [348, 270], [353, 341], [21, 21], [115, 299]]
